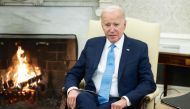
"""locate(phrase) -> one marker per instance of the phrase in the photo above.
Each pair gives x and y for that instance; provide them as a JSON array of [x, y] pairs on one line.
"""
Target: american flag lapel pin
[[128, 49]]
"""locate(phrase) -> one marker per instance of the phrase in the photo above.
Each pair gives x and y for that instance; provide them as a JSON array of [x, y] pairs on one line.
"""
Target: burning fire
[[21, 70], [21, 81]]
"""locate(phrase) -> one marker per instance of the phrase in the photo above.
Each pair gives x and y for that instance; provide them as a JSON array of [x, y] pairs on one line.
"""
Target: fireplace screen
[[33, 68]]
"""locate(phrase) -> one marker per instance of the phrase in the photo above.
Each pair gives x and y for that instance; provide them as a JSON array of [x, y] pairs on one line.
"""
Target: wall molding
[[49, 3], [175, 36], [172, 42]]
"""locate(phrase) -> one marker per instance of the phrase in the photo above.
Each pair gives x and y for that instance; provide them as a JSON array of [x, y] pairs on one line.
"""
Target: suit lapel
[[124, 56], [98, 52]]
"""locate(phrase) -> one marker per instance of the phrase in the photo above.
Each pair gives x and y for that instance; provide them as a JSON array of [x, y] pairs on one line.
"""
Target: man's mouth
[[112, 35]]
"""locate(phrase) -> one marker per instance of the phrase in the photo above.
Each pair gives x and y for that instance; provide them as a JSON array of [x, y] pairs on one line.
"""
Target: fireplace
[[46, 57]]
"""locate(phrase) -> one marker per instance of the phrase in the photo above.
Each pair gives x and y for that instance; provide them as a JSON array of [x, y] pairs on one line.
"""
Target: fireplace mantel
[[49, 2]]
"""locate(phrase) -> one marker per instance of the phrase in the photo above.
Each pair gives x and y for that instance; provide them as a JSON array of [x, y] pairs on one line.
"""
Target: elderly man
[[115, 67]]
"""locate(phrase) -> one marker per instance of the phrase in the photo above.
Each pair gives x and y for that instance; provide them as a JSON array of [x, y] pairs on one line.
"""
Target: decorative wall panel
[[173, 15]]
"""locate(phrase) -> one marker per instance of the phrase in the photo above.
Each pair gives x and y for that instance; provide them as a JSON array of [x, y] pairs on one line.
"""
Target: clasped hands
[[72, 95]]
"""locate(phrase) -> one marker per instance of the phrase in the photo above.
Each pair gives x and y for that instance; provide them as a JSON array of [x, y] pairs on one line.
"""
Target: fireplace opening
[[33, 68]]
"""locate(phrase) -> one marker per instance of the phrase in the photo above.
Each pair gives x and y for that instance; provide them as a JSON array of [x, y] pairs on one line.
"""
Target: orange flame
[[21, 71]]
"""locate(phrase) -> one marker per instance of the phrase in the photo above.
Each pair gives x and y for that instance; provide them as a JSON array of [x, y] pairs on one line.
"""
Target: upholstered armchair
[[147, 32]]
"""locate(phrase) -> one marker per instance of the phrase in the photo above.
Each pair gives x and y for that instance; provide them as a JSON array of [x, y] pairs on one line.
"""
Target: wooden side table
[[172, 59]]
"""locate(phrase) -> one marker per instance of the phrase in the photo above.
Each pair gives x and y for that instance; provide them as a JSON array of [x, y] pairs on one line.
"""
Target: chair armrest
[[64, 97], [148, 98], [63, 89], [152, 95], [63, 104]]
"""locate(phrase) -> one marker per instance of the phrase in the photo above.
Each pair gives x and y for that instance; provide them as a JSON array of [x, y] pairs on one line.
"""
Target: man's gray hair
[[111, 8]]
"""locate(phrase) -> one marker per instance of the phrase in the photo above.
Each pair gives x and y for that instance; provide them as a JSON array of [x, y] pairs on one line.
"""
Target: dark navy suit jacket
[[135, 79]]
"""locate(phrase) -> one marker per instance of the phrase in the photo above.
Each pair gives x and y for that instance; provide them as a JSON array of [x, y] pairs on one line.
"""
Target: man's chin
[[113, 40]]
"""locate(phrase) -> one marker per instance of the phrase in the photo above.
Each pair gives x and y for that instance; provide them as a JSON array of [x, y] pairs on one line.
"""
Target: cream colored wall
[[173, 15]]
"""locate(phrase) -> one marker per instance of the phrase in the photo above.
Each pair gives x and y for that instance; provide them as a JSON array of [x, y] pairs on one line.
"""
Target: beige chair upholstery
[[147, 32]]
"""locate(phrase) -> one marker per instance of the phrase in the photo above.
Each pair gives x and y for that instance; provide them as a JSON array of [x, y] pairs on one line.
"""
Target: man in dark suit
[[132, 77]]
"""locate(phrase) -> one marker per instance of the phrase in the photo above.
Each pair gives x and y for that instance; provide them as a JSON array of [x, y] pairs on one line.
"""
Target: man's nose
[[112, 28]]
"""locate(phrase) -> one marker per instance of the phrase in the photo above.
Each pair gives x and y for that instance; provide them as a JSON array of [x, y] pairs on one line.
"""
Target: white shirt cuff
[[71, 88], [127, 99]]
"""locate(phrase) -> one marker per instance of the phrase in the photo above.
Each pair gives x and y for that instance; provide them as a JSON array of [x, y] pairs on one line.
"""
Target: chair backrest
[[138, 29]]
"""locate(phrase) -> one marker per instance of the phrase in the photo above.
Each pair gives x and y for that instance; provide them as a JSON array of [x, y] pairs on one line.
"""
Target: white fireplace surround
[[67, 17]]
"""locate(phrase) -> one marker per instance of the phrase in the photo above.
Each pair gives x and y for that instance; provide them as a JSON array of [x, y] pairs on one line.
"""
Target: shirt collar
[[118, 44]]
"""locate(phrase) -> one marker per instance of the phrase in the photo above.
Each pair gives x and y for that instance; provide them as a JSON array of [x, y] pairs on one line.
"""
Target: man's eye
[[107, 25], [116, 24]]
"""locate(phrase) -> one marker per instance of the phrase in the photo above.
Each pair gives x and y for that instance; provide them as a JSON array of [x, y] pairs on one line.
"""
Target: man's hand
[[71, 98], [122, 103]]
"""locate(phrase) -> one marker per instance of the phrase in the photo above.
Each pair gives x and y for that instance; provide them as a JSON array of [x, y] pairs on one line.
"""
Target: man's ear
[[125, 23]]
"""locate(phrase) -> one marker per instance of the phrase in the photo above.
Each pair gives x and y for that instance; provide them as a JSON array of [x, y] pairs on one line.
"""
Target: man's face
[[113, 24]]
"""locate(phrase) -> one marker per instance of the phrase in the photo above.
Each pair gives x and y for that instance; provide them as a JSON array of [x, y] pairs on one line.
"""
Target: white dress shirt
[[97, 77]]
